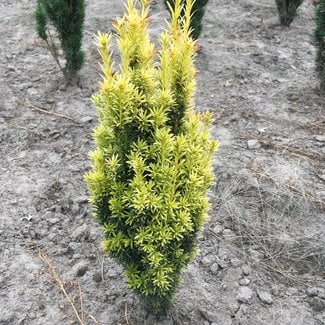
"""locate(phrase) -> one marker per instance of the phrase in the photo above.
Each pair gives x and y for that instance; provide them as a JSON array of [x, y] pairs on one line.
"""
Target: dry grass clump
[[276, 223]]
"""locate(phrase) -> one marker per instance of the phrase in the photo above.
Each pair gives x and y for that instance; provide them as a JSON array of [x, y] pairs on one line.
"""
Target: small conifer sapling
[[320, 43], [287, 10], [152, 166], [66, 17], [196, 14]]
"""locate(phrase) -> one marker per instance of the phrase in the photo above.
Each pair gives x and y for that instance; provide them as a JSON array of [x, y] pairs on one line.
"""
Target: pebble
[[63, 87], [275, 289], [208, 260], [262, 130], [246, 270], [243, 310], [218, 229], [225, 287], [228, 234], [244, 294], [312, 291], [315, 292], [222, 262], [73, 247], [82, 199], [223, 253], [97, 277], [321, 293], [33, 234], [265, 297], [24, 232], [80, 269], [32, 92], [53, 159], [80, 234], [292, 291], [253, 144], [55, 208], [234, 307], [212, 317], [317, 304], [320, 138], [27, 218], [244, 281], [236, 262], [86, 119], [53, 220], [214, 268]]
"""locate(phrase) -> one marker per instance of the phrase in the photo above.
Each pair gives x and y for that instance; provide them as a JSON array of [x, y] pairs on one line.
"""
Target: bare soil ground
[[261, 258]]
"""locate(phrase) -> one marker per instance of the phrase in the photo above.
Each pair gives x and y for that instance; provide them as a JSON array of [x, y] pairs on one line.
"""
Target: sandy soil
[[262, 257]]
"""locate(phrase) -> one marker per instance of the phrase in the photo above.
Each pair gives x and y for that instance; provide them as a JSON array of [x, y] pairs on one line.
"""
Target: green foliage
[[320, 43], [287, 10], [67, 17], [152, 166], [196, 13]]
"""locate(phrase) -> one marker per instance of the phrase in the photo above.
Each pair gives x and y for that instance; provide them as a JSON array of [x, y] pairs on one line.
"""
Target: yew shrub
[[287, 10], [66, 19], [152, 166]]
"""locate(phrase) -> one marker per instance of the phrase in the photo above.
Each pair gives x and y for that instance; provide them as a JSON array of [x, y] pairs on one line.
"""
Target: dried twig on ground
[[81, 302], [126, 312], [57, 281], [26, 103]]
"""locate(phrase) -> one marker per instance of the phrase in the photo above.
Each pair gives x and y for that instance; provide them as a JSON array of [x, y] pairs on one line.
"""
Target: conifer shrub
[[67, 18], [152, 166], [287, 10], [197, 14], [320, 43]]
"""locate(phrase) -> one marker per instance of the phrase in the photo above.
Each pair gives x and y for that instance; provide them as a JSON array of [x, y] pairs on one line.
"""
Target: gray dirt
[[261, 255]]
